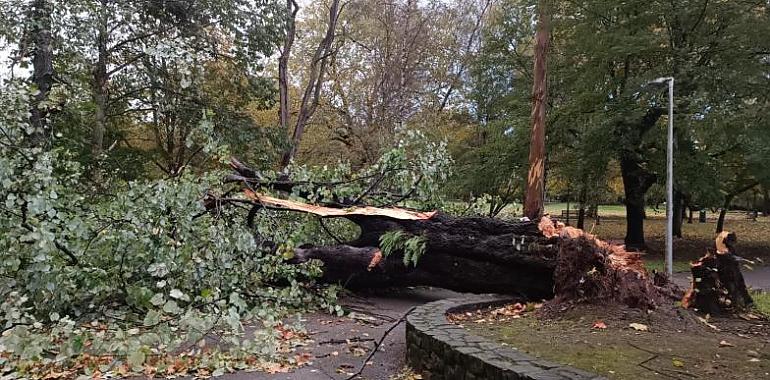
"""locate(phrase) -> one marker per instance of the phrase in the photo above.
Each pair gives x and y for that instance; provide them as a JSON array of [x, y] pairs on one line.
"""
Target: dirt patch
[[623, 343]]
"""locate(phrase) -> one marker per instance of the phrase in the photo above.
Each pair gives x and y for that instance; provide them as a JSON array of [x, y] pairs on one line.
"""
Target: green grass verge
[[660, 265], [762, 302]]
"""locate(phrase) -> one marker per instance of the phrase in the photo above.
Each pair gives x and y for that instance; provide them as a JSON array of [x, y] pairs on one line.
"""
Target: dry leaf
[[599, 325], [358, 351], [725, 343], [375, 260], [276, 368], [638, 327], [303, 358], [706, 322], [677, 363]]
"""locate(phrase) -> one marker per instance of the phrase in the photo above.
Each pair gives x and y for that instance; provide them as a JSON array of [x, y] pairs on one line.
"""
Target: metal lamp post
[[669, 174]]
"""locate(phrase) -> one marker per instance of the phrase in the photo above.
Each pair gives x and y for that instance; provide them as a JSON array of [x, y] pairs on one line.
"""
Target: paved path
[[759, 278], [340, 345]]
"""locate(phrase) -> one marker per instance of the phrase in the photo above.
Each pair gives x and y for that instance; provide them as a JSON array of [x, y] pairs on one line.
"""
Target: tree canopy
[[119, 119]]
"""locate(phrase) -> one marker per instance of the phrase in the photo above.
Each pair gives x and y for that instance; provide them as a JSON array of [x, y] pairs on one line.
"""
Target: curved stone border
[[447, 351]]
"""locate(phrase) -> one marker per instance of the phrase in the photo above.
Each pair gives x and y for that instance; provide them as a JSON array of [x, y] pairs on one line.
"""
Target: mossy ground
[[677, 344]]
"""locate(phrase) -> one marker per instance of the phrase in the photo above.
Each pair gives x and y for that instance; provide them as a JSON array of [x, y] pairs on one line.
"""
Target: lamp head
[[659, 81]]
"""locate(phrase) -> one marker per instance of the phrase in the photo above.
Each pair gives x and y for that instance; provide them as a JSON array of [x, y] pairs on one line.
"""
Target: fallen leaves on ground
[[357, 350], [499, 314], [639, 327], [599, 325], [345, 368]]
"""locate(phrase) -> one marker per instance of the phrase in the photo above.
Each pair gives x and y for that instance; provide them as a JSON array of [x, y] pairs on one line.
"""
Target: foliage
[[412, 172], [135, 275], [413, 247]]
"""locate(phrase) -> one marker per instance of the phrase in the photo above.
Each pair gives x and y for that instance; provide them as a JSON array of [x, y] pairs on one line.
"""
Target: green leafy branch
[[413, 246]]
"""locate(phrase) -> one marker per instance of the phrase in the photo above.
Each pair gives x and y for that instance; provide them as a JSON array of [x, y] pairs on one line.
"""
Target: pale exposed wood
[[533, 206], [394, 213]]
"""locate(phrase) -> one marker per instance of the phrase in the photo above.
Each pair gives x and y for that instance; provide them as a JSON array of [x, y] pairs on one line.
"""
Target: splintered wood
[[391, 212], [717, 283]]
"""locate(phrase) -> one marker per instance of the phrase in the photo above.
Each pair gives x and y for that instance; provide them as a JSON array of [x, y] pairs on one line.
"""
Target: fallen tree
[[536, 260]]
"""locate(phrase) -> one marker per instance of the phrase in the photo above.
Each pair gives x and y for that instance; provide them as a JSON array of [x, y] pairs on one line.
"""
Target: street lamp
[[669, 174]]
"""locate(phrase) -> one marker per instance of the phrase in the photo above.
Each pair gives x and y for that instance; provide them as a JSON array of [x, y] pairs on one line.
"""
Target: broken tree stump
[[718, 286]]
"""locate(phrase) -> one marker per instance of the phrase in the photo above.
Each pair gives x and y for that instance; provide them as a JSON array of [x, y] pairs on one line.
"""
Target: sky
[[4, 63]]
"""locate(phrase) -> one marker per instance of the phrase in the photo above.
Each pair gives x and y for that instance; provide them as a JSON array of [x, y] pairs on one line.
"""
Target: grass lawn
[[753, 237]]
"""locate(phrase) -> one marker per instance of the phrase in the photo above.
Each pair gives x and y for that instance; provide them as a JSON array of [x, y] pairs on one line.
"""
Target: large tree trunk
[[723, 213], [43, 73], [637, 178], [635, 184], [283, 64], [678, 212], [535, 260], [533, 203], [99, 94], [463, 254], [766, 203]]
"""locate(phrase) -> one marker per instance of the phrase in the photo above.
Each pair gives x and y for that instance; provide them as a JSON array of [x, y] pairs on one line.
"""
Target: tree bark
[[718, 286], [99, 94], [535, 260], [43, 72], [678, 211], [723, 213], [533, 206], [462, 254], [766, 203], [636, 182], [283, 64], [637, 179]]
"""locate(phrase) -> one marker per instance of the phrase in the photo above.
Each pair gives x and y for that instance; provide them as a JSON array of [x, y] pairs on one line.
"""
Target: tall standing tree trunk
[[533, 206], [636, 182], [678, 212], [582, 208], [42, 74], [637, 179], [723, 213], [312, 94], [99, 94], [766, 203], [283, 64]]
